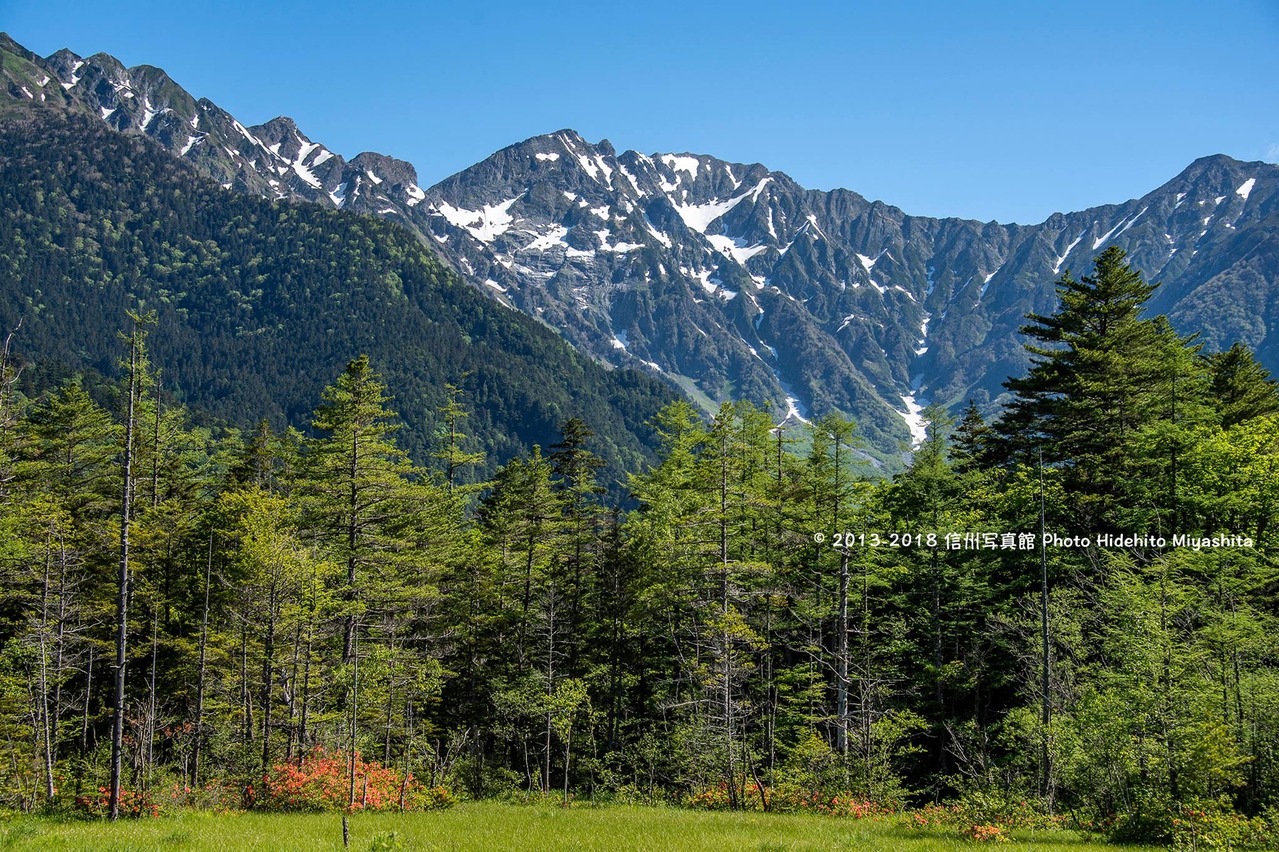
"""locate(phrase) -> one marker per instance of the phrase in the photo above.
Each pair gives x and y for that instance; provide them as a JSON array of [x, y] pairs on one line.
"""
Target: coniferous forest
[[1068, 611], [259, 304]]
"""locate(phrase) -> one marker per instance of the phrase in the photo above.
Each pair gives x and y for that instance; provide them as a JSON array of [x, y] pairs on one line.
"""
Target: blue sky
[[989, 110]]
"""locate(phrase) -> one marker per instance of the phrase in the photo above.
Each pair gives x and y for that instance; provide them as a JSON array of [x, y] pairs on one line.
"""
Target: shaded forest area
[[260, 304], [748, 630]]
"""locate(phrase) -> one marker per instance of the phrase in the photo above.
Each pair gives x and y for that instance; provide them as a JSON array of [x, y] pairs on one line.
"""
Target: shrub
[[986, 833], [1214, 826], [985, 817], [322, 783], [132, 804]]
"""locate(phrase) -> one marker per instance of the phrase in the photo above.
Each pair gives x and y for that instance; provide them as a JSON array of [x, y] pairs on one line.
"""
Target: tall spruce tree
[[356, 485], [1240, 387], [1098, 375]]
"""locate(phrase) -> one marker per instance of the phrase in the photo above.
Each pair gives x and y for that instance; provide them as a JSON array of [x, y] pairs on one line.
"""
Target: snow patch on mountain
[[74, 79], [554, 238], [592, 164], [485, 224], [913, 415], [619, 247], [812, 220], [709, 283], [1246, 188], [681, 164], [699, 216], [302, 171], [1096, 244], [922, 346], [1069, 249], [735, 249], [657, 235], [630, 177], [868, 263], [338, 197], [1134, 219]]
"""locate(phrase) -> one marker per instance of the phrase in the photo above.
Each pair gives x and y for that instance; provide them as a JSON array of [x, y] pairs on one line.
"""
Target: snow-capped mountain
[[732, 280]]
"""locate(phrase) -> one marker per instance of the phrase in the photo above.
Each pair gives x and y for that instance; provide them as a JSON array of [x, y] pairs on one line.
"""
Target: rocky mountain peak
[[731, 280]]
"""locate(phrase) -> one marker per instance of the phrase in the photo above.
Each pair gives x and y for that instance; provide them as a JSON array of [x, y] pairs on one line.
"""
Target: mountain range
[[731, 280]]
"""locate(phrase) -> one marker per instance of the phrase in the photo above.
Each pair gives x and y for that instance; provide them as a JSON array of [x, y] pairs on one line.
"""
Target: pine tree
[[450, 438], [1240, 387], [1099, 373], [356, 486], [138, 383], [970, 440], [575, 468]]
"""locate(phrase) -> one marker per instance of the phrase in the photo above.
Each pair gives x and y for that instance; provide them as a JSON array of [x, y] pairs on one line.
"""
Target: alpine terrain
[[731, 280]]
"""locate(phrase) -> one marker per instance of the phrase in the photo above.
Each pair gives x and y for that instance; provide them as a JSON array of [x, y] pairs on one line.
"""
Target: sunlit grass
[[495, 826]]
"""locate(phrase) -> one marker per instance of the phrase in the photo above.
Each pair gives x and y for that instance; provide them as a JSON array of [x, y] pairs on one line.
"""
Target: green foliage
[[767, 628], [391, 841], [259, 304], [1241, 388], [1101, 377]]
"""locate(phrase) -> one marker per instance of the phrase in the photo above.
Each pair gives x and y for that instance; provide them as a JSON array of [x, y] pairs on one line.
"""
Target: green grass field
[[494, 826]]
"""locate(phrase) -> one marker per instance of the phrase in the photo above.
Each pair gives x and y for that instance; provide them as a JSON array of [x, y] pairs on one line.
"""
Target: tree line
[[183, 605]]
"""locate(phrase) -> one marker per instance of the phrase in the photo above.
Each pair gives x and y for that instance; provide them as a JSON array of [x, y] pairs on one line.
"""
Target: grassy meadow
[[495, 826]]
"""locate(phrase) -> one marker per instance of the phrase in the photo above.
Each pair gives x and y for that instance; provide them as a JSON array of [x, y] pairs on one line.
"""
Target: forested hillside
[[259, 304], [768, 627]]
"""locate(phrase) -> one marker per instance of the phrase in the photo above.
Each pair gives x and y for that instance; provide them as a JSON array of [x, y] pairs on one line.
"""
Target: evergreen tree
[[450, 438], [356, 486], [969, 444], [1241, 388], [1099, 374]]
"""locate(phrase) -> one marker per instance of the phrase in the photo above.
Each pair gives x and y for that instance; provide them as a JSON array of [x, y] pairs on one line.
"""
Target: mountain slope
[[714, 270], [261, 304], [731, 280]]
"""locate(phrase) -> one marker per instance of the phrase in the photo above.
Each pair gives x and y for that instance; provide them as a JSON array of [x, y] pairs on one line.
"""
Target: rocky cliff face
[[731, 280]]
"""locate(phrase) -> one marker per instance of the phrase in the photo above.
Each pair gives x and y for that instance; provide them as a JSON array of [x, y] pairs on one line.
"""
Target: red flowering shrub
[[132, 804], [985, 833], [322, 783]]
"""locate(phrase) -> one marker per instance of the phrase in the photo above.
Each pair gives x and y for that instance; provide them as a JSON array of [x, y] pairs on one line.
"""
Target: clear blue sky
[[990, 110]]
